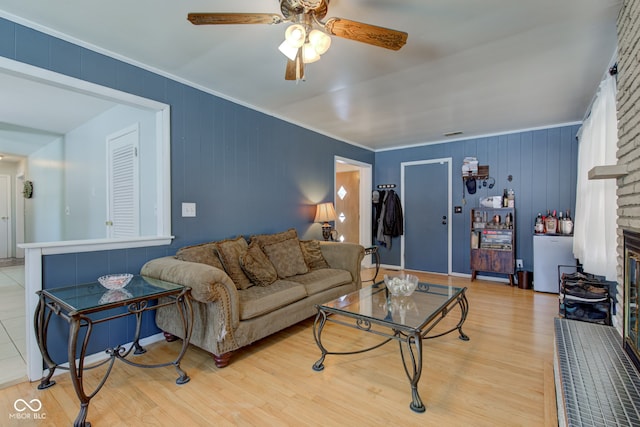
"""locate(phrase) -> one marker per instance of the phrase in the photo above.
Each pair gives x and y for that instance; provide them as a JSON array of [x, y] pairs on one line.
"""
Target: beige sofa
[[243, 292]]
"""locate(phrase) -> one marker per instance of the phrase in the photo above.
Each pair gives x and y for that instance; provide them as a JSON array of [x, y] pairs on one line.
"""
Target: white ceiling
[[477, 66]]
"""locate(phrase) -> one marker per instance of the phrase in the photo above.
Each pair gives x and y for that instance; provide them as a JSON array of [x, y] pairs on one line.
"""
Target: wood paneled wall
[[542, 164]]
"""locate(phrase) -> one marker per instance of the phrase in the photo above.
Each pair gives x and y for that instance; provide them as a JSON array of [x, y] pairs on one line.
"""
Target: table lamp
[[325, 213]]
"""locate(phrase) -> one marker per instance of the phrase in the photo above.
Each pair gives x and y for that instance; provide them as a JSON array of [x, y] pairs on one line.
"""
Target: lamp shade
[[320, 41], [295, 35], [309, 54], [325, 212]]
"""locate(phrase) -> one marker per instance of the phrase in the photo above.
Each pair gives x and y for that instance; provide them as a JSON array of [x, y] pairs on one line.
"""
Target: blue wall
[[543, 165], [248, 172]]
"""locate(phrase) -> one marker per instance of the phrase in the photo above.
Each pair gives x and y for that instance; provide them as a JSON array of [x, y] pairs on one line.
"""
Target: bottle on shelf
[[511, 198], [551, 223], [539, 224], [505, 198]]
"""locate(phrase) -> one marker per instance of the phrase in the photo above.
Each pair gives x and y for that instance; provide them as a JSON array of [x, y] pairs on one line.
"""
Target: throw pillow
[[270, 239], [229, 252], [204, 253], [313, 254], [257, 266], [287, 258]]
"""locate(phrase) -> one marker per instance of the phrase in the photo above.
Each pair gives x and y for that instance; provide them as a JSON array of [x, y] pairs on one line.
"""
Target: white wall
[[43, 212]]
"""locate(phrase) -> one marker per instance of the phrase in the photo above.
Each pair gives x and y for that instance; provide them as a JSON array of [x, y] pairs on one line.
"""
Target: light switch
[[188, 209]]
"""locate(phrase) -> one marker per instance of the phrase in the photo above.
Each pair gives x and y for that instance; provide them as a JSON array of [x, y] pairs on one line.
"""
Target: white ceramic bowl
[[115, 281], [402, 285]]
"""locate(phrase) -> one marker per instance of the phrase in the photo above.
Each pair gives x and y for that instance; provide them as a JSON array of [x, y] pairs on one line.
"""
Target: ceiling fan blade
[[366, 33], [233, 18], [295, 68]]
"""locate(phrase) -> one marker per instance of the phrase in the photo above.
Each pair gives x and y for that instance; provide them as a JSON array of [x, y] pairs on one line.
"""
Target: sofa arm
[[345, 256], [207, 283]]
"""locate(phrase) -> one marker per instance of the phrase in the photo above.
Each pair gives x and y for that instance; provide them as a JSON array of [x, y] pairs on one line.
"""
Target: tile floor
[[13, 368]]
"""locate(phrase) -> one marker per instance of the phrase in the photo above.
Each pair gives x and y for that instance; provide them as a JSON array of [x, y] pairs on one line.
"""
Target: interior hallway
[[13, 367]]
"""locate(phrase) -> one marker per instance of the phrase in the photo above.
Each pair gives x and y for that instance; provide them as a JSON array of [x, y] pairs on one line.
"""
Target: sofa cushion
[[269, 239], [257, 266], [259, 300], [320, 280], [313, 254], [204, 253], [229, 252], [286, 257]]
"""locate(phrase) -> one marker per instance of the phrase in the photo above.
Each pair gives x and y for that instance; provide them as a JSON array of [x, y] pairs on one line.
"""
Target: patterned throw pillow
[[313, 254], [286, 257], [270, 239], [204, 253], [257, 266], [229, 252]]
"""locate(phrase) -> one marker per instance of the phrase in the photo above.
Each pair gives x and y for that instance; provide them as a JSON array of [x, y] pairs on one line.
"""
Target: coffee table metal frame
[[54, 301], [409, 338]]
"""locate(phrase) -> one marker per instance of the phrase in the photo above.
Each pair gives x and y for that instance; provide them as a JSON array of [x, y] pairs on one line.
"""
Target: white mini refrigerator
[[549, 251]]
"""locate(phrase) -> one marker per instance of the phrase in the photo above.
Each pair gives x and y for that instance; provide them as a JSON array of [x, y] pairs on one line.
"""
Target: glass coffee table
[[89, 304], [408, 320]]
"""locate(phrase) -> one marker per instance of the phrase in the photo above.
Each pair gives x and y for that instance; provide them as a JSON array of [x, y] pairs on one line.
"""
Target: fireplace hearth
[[631, 338]]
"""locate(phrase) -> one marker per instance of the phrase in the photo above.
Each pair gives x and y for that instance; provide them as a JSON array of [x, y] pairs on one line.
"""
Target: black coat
[[393, 221]]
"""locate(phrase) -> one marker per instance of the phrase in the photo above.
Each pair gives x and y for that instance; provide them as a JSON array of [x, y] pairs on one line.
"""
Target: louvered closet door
[[123, 218]]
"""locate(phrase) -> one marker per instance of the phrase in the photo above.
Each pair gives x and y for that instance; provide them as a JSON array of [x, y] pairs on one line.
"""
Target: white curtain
[[596, 215]]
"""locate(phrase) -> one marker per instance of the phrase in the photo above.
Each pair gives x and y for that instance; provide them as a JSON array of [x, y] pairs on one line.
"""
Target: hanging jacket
[[393, 221], [377, 199], [380, 222]]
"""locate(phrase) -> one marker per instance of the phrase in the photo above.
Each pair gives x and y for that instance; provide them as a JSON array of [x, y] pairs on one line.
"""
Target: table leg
[[464, 308], [139, 309], [318, 325], [412, 361], [76, 371], [41, 324], [185, 308]]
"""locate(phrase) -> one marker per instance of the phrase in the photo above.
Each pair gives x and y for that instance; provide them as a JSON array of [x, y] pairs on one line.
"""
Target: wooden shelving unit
[[493, 241]]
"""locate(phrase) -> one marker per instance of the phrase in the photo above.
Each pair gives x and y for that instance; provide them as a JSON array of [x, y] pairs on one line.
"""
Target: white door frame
[[9, 218], [366, 182], [449, 161]]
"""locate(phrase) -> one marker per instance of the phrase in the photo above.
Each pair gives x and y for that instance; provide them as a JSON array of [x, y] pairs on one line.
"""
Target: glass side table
[[75, 303]]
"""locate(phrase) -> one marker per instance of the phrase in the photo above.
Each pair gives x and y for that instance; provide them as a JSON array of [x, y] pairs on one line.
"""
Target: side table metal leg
[[139, 309], [41, 324], [77, 370], [183, 302], [412, 361], [464, 308], [318, 325]]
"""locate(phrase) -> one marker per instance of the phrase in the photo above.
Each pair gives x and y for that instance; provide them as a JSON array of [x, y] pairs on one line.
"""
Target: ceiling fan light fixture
[[288, 50], [320, 41], [295, 35], [309, 54]]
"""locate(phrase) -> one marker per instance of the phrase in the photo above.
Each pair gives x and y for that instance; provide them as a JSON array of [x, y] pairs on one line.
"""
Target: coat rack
[[386, 186]]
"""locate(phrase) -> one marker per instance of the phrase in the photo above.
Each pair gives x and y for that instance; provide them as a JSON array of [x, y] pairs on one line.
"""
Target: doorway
[[426, 191], [352, 199], [5, 217]]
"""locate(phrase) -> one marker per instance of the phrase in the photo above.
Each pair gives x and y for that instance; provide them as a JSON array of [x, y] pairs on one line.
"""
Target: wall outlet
[[519, 263]]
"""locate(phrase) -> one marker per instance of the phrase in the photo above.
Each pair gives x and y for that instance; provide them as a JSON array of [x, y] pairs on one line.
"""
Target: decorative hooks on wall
[[386, 186]]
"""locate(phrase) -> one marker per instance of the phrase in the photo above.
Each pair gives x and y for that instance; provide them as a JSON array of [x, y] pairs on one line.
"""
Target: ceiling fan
[[308, 36]]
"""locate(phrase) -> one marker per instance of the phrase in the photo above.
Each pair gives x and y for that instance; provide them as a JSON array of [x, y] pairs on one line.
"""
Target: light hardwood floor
[[503, 376]]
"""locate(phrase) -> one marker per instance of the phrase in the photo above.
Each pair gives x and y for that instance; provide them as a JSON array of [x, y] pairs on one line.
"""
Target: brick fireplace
[[628, 106]]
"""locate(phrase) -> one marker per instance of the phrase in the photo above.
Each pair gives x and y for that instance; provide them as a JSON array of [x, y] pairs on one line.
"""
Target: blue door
[[426, 208]]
